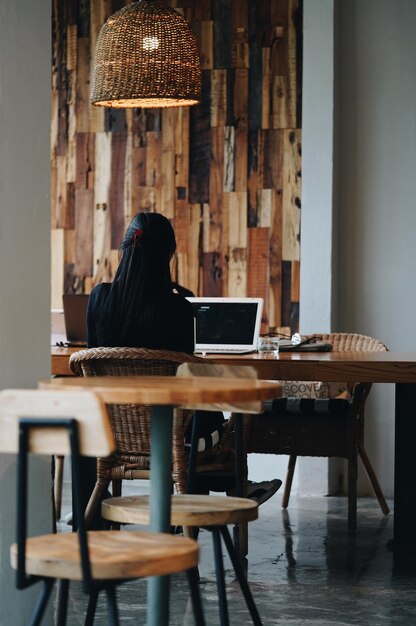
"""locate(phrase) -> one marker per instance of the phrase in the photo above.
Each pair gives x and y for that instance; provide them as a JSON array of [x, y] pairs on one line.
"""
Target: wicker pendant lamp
[[146, 56]]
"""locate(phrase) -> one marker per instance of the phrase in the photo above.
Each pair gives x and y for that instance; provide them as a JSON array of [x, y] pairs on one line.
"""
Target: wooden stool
[[63, 422], [210, 512]]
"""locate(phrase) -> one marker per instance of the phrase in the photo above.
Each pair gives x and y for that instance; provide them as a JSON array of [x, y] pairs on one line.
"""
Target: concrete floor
[[303, 568]]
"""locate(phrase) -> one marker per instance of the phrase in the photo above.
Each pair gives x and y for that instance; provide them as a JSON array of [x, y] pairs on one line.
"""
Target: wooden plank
[[114, 120], [212, 274], [194, 249], [85, 147], [279, 19], [128, 180], [62, 142], [200, 146], [181, 147], [216, 188], [167, 185], [116, 189], [237, 220], [292, 61], [253, 181], [143, 199], [102, 218], [273, 165], [57, 264], [72, 129], [237, 273], [258, 269], [264, 207], [295, 284], [240, 48], [181, 225], [82, 91], [222, 14], [154, 165], [229, 117], [84, 223], [275, 292], [229, 158], [218, 100], [291, 199], [286, 293], [206, 48], [283, 111], [265, 88], [241, 113]]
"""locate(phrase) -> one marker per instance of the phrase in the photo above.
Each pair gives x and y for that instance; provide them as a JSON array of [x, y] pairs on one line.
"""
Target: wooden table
[[164, 393], [375, 367]]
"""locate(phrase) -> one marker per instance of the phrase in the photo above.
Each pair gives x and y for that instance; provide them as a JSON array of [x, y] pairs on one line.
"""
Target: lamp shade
[[146, 56]]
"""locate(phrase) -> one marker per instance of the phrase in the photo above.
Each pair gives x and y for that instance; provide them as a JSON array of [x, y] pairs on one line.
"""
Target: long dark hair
[[142, 281]]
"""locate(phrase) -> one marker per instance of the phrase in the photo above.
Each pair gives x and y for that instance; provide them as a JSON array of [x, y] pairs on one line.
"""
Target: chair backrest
[[128, 362], [95, 437], [352, 342], [132, 423]]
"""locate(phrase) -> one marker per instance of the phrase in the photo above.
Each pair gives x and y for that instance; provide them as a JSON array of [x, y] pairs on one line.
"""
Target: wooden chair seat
[[187, 510], [113, 555]]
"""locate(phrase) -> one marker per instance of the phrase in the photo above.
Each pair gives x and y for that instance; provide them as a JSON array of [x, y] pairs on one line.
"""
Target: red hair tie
[[137, 235]]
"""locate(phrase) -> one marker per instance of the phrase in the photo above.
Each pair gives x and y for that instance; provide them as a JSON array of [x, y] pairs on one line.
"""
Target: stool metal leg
[[242, 580], [219, 572], [193, 578], [62, 602], [112, 608], [42, 602], [92, 605]]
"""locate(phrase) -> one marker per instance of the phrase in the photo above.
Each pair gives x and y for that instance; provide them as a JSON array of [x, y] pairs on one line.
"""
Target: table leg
[[404, 542], [160, 501]]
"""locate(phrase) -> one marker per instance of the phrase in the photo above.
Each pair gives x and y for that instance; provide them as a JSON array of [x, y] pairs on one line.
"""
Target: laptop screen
[[75, 314], [227, 324]]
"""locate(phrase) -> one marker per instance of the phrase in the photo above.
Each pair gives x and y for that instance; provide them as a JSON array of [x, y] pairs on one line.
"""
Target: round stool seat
[[112, 555], [187, 510]]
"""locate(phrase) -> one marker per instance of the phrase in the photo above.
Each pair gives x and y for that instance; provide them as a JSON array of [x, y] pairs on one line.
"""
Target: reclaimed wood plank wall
[[227, 172]]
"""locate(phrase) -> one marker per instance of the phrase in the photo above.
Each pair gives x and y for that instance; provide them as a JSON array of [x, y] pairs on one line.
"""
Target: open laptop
[[75, 316], [227, 325]]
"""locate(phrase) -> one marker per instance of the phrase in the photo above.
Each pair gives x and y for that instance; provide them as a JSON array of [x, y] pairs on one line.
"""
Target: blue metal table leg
[[160, 500]]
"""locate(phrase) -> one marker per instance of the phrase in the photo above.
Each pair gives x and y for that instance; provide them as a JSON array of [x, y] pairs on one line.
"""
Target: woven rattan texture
[[146, 51], [131, 423], [316, 435]]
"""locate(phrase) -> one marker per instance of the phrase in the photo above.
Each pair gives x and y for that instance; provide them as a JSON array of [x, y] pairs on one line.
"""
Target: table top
[[376, 367], [170, 390]]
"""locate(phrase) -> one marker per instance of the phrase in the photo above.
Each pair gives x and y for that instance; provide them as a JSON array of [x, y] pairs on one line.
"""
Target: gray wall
[[24, 251], [372, 249], [377, 191]]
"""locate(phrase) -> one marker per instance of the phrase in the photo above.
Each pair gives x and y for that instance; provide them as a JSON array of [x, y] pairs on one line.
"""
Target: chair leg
[[94, 501], [112, 608], [219, 573], [242, 580], [289, 480], [373, 480], [58, 482], [92, 606], [193, 579], [62, 602], [42, 602], [352, 494]]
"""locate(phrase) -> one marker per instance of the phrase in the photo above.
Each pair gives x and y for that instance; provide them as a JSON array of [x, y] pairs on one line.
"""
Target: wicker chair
[[322, 435], [131, 423]]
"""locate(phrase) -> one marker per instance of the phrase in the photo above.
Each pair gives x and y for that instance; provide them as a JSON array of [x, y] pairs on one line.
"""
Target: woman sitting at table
[[141, 309]]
